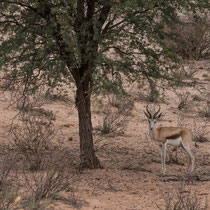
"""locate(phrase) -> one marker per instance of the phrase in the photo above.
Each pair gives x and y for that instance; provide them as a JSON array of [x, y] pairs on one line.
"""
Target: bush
[[200, 132], [9, 193], [42, 187], [112, 123], [9, 199], [195, 37], [183, 199], [32, 139], [183, 100], [116, 115], [205, 110]]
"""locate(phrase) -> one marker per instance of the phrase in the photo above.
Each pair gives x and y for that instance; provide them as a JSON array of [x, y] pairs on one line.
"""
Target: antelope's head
[[152, 117]]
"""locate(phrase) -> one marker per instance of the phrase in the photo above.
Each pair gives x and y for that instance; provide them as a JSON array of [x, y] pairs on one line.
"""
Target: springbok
[[175, 136]]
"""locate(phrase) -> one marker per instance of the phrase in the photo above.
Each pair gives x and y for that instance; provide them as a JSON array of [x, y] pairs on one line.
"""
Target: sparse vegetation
[[194, 35], [6, 165], [184, 77], [86, 42], [9, 199], [116, 115], [52, 52], [112, 123], [178, 77], [9, 191], [32, 139], [60, 96], [151, 92], [183, 199], [197, 98], [150, 153], [36, 189], [189, 73], [204, 110], [34, 171], [42, 187], [200, 132], [39, 112], [183, 100]]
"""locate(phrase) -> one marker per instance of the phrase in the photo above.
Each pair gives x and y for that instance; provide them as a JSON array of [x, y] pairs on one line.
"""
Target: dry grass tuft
[[200, 132], [183, 199], [116, 115]]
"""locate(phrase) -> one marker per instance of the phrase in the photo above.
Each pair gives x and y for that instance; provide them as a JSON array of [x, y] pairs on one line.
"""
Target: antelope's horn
[[148, 114], [155, 115]]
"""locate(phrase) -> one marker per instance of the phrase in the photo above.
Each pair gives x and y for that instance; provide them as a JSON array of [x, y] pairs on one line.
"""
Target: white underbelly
[[174, 142]]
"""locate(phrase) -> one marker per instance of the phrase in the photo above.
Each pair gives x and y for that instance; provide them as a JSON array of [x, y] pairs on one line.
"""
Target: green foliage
[[52, 41]]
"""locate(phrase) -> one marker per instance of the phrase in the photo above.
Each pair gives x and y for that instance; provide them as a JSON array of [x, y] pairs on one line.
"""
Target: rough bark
[[88, 48], [88, 158]]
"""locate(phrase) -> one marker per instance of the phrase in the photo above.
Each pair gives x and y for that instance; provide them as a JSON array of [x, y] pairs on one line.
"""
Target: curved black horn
[[155, 115], [148, 114]]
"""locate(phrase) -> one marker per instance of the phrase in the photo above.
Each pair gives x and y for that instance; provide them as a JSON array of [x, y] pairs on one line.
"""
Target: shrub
[[200, 132], [195, 37], [9, 199], [183, 98], [113, 122], [205, 112], [32, 139], [183, 199], [115, 119], [9, 193], [42, 187]]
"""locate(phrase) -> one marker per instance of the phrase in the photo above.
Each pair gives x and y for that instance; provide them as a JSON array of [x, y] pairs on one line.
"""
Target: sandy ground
[[131, 178]]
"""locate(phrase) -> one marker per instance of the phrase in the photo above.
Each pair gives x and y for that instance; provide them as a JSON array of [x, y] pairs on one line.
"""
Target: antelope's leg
[[164, 157], [192, 158]]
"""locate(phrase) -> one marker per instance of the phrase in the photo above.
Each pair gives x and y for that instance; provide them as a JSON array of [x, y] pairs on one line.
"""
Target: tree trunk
[[88, 157]]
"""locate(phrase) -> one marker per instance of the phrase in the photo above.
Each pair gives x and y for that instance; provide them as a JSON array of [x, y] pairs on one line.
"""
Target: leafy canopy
[[54, 41]]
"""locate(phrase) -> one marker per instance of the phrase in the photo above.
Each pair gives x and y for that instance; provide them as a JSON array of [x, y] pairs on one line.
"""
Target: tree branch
[[11, 18], [103, 15], [108, 27], [80, 12], [90, 9]]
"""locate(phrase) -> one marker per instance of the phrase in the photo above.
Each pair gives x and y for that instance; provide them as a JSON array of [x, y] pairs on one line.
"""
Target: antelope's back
[[173, 132]]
